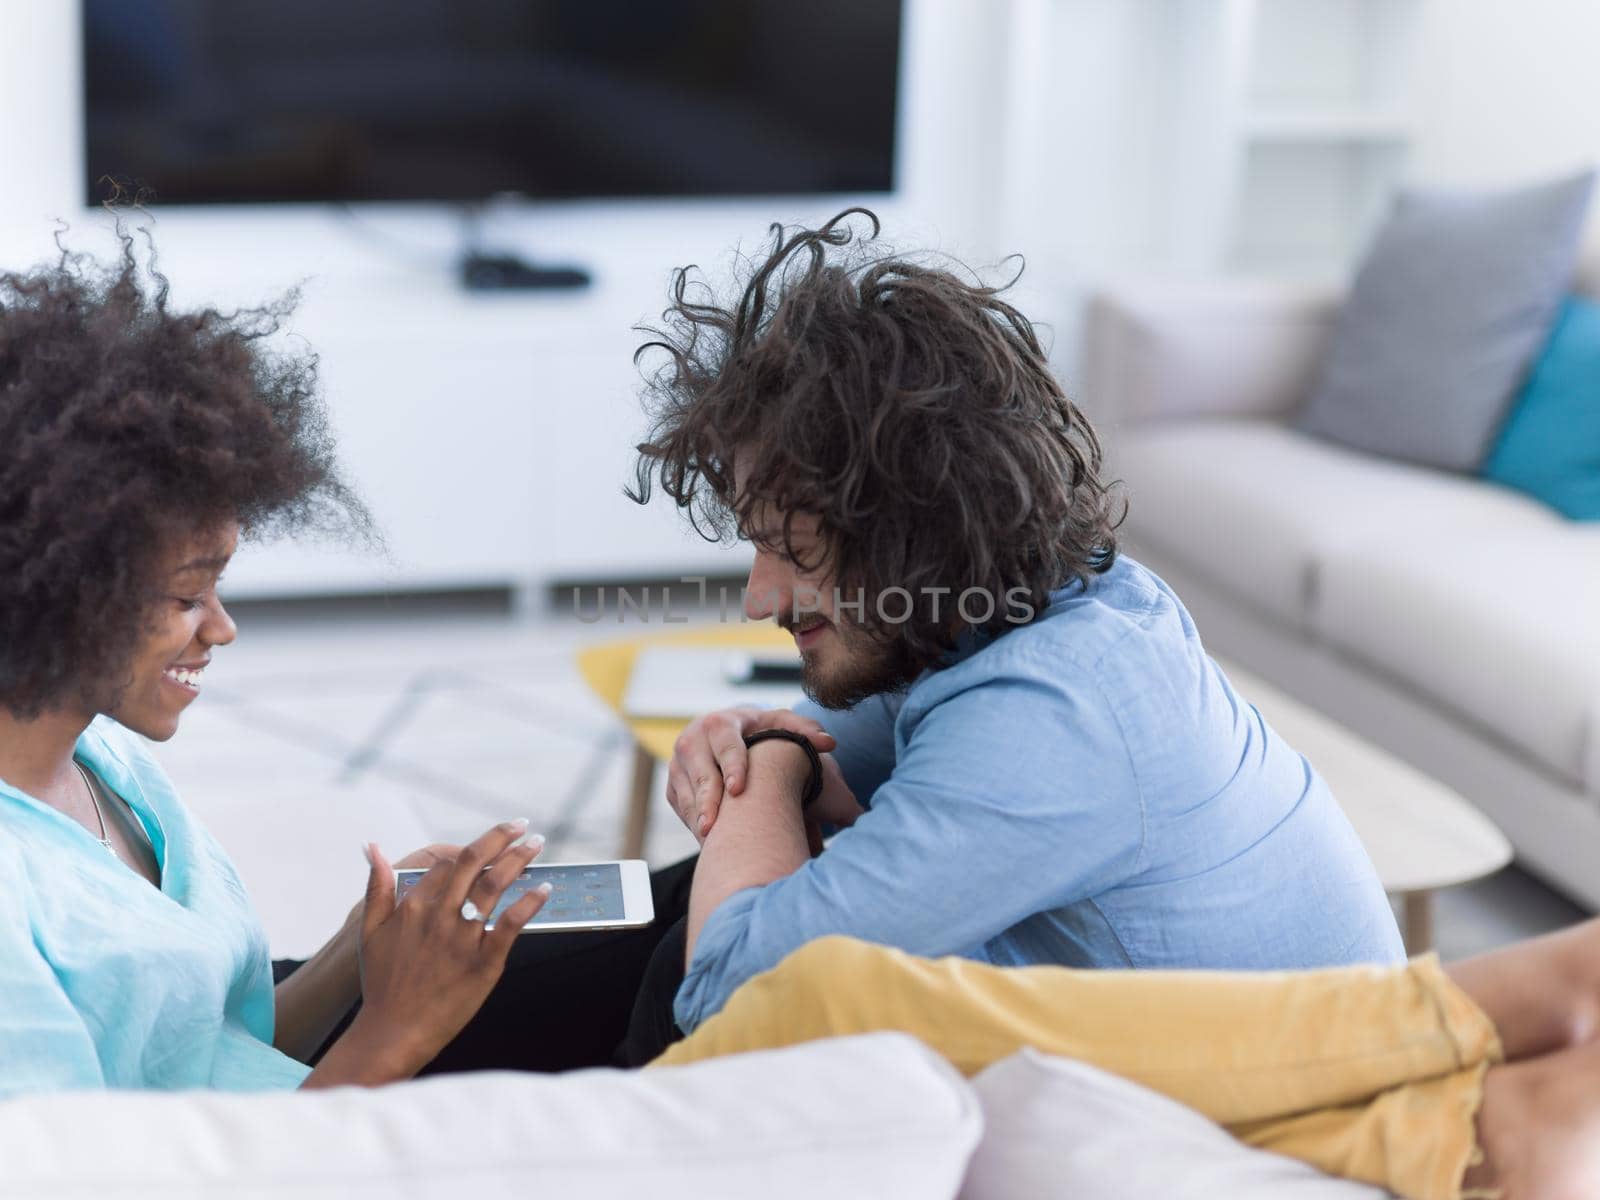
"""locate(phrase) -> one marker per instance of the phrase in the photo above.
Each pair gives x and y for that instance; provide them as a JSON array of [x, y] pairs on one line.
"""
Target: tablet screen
[[578, 892]]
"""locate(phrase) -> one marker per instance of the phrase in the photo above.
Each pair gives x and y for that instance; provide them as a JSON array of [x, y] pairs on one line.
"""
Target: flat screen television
[[252, 101]]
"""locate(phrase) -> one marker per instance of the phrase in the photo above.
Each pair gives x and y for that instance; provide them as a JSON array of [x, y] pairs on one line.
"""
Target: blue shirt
[[106, 981], [1087, 790]]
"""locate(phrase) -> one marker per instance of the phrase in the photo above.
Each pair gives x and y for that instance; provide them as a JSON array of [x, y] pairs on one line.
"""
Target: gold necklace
[[95, 800]]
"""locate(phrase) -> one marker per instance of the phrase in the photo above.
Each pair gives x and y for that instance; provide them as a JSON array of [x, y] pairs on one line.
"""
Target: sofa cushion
[[1500, 626], [1446, 314], [772, 1124], [1255, 507], [1550, 446], [1059, 1128]]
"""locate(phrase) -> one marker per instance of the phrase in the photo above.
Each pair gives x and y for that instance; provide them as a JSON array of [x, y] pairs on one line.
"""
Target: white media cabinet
[[491, 435]]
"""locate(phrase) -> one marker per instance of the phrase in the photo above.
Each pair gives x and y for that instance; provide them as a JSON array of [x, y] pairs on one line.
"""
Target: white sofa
[[877, 1117], [768, 1125], [1451, 620]]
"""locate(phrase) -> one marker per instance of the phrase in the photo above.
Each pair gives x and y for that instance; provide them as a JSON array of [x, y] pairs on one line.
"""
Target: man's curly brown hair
[[910, 409], [125, 427]]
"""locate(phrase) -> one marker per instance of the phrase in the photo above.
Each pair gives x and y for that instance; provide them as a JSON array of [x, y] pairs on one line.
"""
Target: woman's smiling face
[[187, 622]]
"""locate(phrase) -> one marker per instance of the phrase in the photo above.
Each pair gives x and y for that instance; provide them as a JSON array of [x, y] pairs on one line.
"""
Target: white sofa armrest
[[1158, 350], [770, 1124]]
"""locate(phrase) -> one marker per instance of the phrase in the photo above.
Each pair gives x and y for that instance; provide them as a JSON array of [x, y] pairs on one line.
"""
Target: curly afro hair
[[910, 409], [124, 428]]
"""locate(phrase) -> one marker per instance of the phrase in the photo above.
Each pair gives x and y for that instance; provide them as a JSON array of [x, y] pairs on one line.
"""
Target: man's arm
[[1010, 798], [759, 835], [709, 758]]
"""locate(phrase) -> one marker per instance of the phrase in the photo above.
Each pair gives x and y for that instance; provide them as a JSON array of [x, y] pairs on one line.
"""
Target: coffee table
[[1420, 834]]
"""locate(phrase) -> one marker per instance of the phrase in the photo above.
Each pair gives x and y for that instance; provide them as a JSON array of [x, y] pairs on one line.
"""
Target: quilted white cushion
[[1056, 1128], [867, 1117], [1258, 508], [1501, 627]]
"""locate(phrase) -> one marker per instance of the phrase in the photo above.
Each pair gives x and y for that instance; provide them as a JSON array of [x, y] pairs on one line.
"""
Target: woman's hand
[[428, 856], [426, 969], [710, 755]]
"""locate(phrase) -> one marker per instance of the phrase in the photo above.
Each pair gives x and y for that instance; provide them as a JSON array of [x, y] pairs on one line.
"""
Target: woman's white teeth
[[184, 676]]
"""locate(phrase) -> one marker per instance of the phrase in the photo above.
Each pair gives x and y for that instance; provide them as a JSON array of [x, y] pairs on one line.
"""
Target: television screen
[[245, 101]]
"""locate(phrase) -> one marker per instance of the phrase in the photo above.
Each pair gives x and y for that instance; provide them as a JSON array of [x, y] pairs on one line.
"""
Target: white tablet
[[583, 896]]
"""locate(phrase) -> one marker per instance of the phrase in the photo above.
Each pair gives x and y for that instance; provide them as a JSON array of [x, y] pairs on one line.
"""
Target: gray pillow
[[1449, 308]]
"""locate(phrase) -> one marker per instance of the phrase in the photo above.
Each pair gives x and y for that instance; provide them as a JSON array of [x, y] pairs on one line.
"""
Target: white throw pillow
[[1056, 1128], [872, 1117]]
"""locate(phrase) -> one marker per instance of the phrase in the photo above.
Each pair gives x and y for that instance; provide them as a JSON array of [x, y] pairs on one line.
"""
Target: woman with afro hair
[[137, 444]]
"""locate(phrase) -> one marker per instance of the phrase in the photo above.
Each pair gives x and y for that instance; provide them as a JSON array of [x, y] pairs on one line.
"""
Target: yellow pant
[[1372, 1073]]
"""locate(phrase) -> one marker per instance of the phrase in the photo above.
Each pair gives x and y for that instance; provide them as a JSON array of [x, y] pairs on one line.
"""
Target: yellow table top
[[606, 668]]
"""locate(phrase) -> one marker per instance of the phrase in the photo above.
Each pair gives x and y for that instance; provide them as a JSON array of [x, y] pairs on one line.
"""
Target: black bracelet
[[814, 784]]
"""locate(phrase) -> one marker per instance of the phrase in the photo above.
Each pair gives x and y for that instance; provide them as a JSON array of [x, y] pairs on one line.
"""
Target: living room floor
[[326, 726]]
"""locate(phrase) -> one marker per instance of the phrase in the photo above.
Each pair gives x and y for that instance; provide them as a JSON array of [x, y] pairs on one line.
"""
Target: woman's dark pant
[[571, 1000]]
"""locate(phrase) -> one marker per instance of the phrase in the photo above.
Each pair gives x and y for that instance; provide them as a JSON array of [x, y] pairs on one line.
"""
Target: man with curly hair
[[1029, 753]]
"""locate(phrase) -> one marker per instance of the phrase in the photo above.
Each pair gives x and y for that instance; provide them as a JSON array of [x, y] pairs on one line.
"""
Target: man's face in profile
[[794, 585]]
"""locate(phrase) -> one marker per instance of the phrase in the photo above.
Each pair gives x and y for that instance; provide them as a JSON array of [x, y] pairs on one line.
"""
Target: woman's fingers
[[380, 890], [428, 856], [493, 882], [499, 940], [458, 878]]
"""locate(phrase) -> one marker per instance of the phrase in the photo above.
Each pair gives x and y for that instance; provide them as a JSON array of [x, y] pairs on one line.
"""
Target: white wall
[[1087, 135], [1508, 92]]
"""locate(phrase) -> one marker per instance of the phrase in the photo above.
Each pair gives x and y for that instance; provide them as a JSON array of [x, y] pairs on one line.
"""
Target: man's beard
[[868, 668]]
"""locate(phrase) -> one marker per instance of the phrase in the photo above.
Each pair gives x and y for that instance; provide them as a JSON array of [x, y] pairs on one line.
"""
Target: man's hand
[[710, 755], [836, 805]]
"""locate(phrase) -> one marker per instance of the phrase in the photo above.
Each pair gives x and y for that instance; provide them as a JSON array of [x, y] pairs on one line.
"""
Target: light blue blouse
[[106, 981], [1087, 790]]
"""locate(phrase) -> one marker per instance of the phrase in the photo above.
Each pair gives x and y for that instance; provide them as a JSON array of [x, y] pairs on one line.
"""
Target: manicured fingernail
[[544, 889], [520, 825], [534, 841], [703, 825], [366, 853]]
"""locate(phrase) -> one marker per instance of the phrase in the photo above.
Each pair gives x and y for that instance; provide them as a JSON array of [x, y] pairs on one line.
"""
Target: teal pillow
[[1550, 446]]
